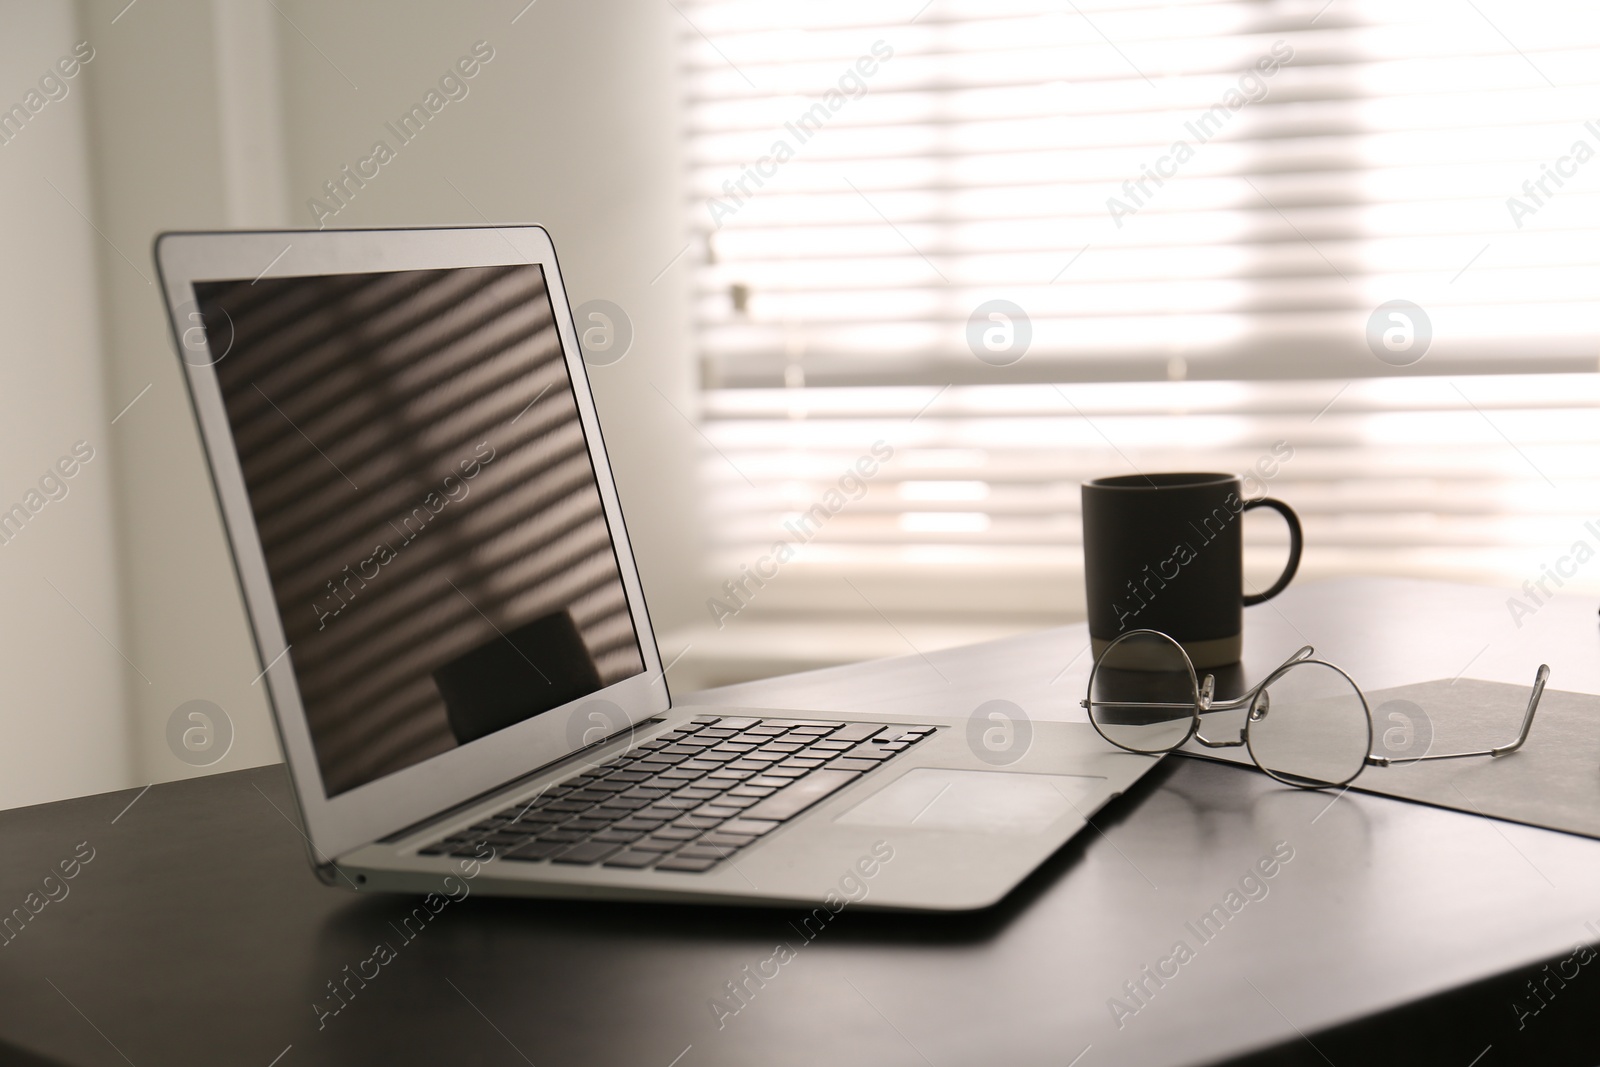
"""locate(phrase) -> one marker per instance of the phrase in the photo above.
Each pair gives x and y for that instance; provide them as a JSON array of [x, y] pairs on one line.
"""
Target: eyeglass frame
[[1205, 702]]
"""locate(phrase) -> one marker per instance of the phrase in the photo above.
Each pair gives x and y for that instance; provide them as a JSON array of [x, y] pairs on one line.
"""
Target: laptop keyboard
[[689, 798]]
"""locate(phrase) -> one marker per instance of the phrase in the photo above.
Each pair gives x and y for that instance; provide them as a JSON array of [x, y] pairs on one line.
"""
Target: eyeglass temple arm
[[1305, 652], [1539, 679]]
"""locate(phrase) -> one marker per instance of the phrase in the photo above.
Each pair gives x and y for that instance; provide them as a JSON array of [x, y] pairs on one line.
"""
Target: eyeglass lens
[[1143, 693], [1309, 727]]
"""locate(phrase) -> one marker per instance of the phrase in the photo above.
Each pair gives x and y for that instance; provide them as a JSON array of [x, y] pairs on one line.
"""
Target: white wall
[[573, 124], [63, 725], [160, 164], [208, 114]]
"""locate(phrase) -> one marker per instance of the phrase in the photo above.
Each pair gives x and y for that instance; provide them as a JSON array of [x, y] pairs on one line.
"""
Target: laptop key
[[675, 833], [738, 724], [749, 790], [660, 814], [756, 827], [849, 764], [722, 840], [535, 850], [587, 853], [656, 844], [856, 731], [698, 764], [618, 837], [787, 803], [693, 866], [711, 811], [773, 782], [703, 852], [633, 859], [565, 837], [605, 817], [570, 805], [698, 822]]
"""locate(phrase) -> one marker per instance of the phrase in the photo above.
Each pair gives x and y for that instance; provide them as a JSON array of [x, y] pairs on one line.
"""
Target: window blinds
[[1194, 211]]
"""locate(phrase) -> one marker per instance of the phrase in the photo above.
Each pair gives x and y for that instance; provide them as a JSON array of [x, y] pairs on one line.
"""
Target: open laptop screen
[[429, 513]]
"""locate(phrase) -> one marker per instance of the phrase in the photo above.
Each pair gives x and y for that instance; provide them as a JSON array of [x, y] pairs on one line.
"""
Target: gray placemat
[[1553, 781]]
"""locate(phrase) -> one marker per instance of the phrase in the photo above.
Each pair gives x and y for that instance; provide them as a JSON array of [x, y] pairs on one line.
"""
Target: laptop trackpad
[[986, 802]]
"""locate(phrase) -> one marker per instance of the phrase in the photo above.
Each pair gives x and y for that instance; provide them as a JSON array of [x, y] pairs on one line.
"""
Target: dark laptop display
[[431, 521]]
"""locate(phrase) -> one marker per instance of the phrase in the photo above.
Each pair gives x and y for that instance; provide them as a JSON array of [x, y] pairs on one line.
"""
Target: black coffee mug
[[1164, 552]]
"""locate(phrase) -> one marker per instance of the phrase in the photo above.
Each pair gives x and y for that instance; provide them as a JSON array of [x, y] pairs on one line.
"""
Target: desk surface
[[197, 934]]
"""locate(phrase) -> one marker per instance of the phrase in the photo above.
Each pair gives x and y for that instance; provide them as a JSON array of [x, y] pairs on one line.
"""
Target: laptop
[[452, 632]]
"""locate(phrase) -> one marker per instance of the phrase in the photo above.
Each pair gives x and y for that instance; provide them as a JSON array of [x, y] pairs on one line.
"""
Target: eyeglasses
[[1308, 724]]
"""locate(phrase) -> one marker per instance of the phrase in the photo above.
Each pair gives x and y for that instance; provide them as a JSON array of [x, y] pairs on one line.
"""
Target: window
[[1023, 244]]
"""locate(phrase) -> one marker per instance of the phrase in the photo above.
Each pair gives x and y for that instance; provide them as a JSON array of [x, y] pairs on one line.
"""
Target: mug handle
[[1295, 544]]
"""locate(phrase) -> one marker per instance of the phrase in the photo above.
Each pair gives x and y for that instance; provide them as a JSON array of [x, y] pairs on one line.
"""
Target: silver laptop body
[[454, 639]]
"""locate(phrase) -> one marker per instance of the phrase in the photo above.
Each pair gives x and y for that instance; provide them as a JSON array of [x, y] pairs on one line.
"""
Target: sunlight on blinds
[[1232, 185], [1024, 244], [1370, 465]]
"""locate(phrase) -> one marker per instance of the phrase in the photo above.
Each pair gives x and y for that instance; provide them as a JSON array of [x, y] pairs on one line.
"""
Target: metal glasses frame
[[1257, 700]]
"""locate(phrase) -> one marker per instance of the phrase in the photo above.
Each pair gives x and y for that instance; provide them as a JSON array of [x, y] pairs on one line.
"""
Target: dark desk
[[198, 935]]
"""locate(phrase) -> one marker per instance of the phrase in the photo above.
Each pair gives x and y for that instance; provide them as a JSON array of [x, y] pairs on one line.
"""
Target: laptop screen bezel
[[367, 812]]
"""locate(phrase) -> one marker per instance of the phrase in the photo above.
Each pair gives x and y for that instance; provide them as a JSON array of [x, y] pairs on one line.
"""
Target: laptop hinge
[[505, 787]]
